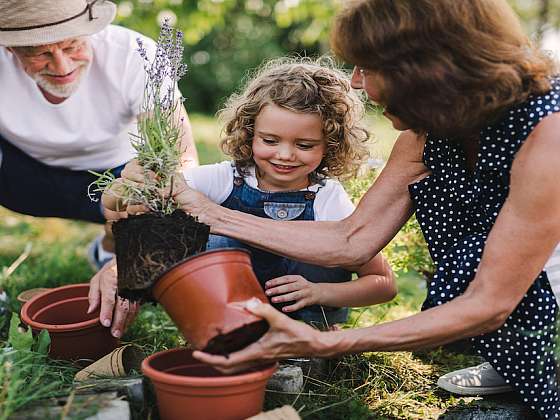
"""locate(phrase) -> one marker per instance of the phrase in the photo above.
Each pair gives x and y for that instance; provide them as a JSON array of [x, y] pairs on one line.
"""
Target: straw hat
[[27, 23]]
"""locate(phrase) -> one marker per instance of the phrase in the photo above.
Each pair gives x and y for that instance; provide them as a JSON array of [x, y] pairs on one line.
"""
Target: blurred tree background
[[226, 38]]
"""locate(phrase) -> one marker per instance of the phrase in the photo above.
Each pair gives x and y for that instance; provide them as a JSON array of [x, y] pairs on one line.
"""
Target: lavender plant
[[158, 142]]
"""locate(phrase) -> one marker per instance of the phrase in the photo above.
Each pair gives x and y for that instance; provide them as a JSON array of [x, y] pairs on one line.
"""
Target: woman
[[478, 163]]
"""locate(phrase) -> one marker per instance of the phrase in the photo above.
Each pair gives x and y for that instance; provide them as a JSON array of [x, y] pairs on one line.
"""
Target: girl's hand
[[285, 338], [293, 288]]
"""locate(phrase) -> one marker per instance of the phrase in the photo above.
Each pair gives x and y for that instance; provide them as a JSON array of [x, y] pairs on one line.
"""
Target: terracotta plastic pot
[[188, 389], [75, 334], [205, 297], [28, 294]]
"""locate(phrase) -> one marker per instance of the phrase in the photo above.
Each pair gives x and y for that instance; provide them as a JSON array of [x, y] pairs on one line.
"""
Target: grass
[[375, 385]]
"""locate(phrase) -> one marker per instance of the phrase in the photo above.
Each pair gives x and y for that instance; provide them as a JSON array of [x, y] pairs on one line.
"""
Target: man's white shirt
[[90, 129]]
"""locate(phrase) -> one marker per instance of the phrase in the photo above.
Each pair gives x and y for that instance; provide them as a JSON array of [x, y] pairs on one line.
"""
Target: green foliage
[[18, 337], [49, 266], [226, 38], [25, 374], [408, 250], [42, 343], [153, 330], [26, 377], [21, 338]]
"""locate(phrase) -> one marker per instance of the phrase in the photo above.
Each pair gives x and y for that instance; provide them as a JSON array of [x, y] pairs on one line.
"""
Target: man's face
[[56, 68]]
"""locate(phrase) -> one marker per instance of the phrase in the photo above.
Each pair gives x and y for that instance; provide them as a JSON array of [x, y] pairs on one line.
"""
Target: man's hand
[[115, 312], [293, 288], [285, 338]]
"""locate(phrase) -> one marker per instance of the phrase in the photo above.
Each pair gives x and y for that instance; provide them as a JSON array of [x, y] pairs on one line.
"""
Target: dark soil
[[224, 344], [149, 244]]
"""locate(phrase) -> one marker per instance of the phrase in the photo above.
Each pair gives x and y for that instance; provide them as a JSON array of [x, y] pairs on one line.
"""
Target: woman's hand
[[115, 312], [134, 175], [193, 202], [285, 338], [293, 288], [114, 201]]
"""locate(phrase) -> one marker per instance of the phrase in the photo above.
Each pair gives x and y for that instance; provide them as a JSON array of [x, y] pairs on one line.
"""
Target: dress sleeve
[[215, 181], [332, 202]]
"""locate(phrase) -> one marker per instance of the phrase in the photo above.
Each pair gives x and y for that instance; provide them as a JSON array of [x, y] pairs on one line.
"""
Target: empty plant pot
[[205, 297], [120, 362], [75, 334], [188, 389], [28, 294]]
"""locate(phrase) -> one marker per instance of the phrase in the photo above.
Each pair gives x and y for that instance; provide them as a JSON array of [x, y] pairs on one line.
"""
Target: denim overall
[[292, 205]]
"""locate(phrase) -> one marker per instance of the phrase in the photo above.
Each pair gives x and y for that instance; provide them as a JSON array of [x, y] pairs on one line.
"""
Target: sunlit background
[[225, 38]]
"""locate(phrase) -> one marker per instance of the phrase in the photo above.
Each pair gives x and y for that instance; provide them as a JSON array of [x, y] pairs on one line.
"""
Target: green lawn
[[377, 385]]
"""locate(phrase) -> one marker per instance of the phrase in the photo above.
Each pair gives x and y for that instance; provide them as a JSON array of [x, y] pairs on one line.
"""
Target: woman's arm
[[523, 237], [375, 284], [350, 242]]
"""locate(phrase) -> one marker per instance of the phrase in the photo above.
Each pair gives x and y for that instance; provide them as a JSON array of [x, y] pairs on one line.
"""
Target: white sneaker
[[476, 380], [96, 255]]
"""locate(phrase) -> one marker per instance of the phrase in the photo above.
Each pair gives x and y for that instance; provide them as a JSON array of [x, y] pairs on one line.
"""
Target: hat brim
[[103, 14]]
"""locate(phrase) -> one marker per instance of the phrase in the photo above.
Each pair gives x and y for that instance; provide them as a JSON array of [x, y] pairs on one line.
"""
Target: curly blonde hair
[[306, 86]]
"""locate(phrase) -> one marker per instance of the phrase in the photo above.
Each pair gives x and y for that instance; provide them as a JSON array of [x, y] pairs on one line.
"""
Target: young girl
[[296, 125]]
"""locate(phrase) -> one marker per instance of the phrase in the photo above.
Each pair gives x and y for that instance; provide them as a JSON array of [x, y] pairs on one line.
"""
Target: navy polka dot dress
[[456, 210]]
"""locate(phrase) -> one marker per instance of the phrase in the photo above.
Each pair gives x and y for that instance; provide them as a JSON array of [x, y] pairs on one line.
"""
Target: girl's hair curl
[[306, 86]]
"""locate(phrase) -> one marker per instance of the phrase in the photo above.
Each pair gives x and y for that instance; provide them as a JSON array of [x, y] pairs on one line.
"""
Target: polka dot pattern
[[456, 210]]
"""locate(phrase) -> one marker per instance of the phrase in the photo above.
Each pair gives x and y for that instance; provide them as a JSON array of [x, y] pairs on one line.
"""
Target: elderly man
[[72, 87]]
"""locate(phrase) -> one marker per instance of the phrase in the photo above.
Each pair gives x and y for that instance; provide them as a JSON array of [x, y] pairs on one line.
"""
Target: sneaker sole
[[473, 391]]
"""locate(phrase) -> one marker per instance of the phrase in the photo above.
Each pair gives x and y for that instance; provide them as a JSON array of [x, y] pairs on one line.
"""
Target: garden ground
[[374, 385]]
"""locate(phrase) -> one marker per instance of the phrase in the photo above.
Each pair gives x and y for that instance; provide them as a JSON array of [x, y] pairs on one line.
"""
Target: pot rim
[[200, 254], [55, 327], [261, 373]]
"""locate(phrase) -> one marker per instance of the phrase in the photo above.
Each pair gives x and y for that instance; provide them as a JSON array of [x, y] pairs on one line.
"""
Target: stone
[[103, 406], [502, 407], [115, 409], [286, 412], [313, 367], [288, 378], [132, 388]]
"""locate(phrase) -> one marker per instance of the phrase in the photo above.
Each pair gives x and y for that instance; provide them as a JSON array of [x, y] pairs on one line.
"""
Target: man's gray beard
[[61, 91]]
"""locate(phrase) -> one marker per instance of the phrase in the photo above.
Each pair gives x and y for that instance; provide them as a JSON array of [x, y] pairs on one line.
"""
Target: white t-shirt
[[90, 129], [552, 268], [216, 182]]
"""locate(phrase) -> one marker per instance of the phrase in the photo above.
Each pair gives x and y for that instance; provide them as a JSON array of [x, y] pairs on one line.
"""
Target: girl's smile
[[287, 147]]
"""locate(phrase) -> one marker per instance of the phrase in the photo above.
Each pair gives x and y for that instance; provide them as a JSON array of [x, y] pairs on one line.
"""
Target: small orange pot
[[188, 389], [205, 297], [75, 334]]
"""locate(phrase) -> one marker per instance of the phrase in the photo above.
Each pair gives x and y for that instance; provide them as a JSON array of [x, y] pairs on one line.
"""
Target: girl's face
[[371, 83], [287, 147]]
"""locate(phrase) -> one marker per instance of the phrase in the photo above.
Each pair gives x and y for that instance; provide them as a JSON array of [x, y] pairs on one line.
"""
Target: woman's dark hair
[[449, 67]]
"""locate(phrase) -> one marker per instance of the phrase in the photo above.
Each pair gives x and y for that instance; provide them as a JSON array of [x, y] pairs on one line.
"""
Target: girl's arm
[[375, 284]]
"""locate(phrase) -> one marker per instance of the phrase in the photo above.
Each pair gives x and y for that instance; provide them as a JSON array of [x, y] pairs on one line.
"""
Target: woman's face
[[371, 83]]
